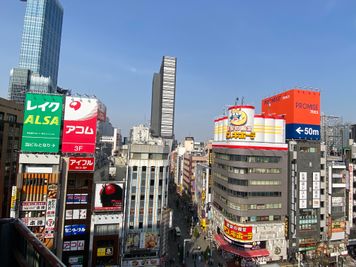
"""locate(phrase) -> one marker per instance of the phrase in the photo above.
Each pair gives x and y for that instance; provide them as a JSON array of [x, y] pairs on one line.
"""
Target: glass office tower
[[41, 38]]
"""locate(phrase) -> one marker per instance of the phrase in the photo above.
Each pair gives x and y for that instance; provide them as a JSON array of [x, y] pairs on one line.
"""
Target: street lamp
[[184, 241]]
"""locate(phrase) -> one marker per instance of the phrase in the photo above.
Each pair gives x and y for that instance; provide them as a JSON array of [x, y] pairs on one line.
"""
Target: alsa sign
[[79, 130], [42, 123], [81, 164]]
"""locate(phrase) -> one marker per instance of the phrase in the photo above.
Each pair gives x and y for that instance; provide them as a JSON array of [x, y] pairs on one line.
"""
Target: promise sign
[[42, 123]]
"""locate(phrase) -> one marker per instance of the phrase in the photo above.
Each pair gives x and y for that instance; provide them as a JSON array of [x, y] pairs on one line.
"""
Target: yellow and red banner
[[237, 232]]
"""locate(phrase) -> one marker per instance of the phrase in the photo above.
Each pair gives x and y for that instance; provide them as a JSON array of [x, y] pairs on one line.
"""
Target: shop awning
[[246, 253]]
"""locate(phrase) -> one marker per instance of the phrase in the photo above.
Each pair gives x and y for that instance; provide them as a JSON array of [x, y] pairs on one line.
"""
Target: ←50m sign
[[42, 123]]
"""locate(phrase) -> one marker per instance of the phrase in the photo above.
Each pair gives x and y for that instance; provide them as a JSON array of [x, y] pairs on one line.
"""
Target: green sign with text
[[42, 123]]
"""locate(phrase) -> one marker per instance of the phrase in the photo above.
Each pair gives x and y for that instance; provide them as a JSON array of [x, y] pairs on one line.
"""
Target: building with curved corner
[[249, 190]]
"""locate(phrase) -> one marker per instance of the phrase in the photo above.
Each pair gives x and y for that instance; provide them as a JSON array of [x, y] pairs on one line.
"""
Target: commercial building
[[146, 199], [40, 47], [163, 99], [250, 186], [202, 193], [190, 161], [11, 119], [317, 188], [65, 197]]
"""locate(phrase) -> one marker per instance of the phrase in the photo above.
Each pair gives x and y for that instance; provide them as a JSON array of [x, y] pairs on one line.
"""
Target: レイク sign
[[42, 123], [79, 130], [81, 164], [237, 232]]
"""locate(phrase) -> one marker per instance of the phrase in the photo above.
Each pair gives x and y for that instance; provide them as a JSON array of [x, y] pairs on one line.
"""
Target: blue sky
[[225, 49]]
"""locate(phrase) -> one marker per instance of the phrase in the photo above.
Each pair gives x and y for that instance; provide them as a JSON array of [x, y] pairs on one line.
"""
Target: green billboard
[[42, 123]]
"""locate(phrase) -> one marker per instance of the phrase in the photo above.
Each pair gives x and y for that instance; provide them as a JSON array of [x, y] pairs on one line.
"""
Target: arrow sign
[[299, 130], [303, 131]]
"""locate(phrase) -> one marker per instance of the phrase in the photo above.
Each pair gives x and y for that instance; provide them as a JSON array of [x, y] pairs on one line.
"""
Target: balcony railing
[[20, 247]]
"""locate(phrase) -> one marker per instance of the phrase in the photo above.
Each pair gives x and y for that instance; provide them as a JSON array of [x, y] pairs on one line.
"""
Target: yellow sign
[[13, 197], [203, 195], [102, 252], [240, 135]]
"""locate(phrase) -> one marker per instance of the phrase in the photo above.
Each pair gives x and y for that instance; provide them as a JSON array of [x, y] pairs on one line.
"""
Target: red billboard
[[237, 232], [81, 164], [298, 106], [79, 127]]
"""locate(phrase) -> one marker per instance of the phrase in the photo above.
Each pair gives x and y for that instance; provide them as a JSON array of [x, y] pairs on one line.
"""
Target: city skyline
[[224, 51]]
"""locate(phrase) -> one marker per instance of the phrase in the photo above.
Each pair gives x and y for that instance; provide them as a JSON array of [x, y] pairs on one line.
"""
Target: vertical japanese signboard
[[79, 130], [42, 123]]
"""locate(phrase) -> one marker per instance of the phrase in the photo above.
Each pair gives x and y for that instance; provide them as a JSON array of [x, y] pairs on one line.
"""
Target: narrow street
[[194, 247]]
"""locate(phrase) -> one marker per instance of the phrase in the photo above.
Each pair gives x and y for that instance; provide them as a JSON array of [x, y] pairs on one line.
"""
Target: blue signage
[[74, 229], [303, 131]]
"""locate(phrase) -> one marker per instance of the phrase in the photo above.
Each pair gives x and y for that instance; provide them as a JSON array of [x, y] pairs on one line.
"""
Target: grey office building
[[40, 45], [163, 99]]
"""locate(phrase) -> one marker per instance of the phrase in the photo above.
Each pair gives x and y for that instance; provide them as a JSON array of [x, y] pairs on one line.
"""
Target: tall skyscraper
[[41, 38], [40, 47], [163, 99]]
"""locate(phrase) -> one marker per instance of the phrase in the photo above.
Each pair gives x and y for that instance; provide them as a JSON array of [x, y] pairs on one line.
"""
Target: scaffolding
[[334, 134]]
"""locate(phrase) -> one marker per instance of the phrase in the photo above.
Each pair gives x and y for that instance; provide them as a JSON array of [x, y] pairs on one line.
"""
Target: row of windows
[[240, 170], [246, 207], [241, 219], [250, 159], [246, 182], [247, 194], [148, 156], [308, 149]]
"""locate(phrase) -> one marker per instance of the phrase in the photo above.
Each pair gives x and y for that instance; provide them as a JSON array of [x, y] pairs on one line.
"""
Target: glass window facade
[[41, 38]]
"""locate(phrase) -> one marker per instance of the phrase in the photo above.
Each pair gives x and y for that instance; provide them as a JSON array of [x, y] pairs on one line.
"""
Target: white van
[[177, 231]]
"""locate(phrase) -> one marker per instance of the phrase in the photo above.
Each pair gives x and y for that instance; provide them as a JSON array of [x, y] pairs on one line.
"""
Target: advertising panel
[[151, 240], [77, 199], [237, 232], [74, 245], [241, 120], [108, 197], [50, 217], [42, 123], [140, 263], [13, 197], [32, 205], [298, 106], [77, 214], [81, 164], [79, 130], [74, 229], [33, 221], [132, 241], [40, 233], [303, 131], [338, 226], [106, 251]]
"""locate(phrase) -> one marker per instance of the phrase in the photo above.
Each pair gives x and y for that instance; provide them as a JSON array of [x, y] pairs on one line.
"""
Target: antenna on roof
[[236, 100], [242, 101]]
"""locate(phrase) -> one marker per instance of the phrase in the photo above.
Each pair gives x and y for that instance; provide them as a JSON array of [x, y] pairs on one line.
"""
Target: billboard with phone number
[[42, 123], [79, 127]]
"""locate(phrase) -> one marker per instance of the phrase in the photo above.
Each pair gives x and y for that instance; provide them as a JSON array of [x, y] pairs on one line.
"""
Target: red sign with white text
[[79, 127], [81, 164]]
